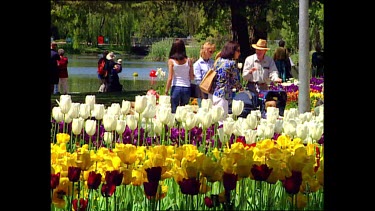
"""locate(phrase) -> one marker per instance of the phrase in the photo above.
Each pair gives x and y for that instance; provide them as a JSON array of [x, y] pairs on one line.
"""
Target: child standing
[[114, 84]]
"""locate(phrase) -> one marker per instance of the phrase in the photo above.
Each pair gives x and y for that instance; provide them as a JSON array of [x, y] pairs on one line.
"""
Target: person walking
[[63, 72], [259, 69], [201, 66], [227, 77], [54, 74], [180, 74]]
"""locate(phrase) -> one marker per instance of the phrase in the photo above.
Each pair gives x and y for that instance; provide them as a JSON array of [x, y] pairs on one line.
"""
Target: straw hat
[[261, 45]]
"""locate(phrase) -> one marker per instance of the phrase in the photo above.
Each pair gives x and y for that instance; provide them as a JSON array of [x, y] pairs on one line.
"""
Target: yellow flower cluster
[[283, 156]]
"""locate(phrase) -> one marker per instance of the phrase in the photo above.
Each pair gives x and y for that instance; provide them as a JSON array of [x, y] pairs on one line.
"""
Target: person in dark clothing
[[280, 56], [54, 73], [114, 84], [317, 62]]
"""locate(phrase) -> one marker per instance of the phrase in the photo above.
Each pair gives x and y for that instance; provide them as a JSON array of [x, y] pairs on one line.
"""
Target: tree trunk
[[240, 28]]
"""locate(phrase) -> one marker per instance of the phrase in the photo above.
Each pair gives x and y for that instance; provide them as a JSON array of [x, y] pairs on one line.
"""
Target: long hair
[[229, 49], [178, 50]]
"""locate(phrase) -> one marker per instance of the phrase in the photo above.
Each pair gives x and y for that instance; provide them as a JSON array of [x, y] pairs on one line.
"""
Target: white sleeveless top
[[181, 76]]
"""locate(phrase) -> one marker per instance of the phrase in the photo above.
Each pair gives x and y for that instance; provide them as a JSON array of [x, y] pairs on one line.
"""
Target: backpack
[[101, 64]]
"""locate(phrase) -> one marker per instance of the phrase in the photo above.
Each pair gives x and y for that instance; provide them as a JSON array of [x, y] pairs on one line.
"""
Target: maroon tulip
[[208, 202], [189, 186], [154, 174], [82, 204], [94, 180], [261, 173], [229, 181], [74, 173], [108, 189], [55, 180], [151, 188], [292, 184], [114, 177]]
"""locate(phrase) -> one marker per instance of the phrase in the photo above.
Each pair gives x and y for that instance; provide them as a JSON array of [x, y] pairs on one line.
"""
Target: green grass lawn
[[101, 98]]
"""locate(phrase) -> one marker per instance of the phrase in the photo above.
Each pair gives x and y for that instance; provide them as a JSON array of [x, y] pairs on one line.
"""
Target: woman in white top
[[201, 66], [180, 73]]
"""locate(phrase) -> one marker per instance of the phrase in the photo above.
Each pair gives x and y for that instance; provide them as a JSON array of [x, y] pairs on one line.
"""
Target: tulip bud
[[140, 103], [90, 100], [77, 125], [90, 127]]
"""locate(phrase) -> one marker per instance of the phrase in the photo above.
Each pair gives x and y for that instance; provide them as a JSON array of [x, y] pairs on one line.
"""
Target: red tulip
[[153, 73]]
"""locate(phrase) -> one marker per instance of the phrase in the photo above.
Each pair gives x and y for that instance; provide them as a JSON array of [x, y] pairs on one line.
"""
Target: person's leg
[[185, 95], [175, 98], [56, 88], [65, 85]]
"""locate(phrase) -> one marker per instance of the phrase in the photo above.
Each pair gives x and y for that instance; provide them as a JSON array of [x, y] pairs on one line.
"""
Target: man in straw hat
[[259, 69]]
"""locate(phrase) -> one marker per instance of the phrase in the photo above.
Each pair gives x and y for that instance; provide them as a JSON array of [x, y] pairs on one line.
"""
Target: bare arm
[[191, 70], [170, 76]]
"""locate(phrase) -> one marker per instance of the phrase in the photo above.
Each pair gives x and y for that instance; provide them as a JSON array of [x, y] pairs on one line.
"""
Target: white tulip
[[84, 111], [171, 121], [67, 119], [260, 131], [151, 99], [190, 120], [239, 65], [302, 131], [74, 110], [140, 103], [237, 107], [290, 127], [131, 122], [98, 112], [90, 127], [180, 112], [108, 137], [114, 109], [238, 126], [65, 103], [164, 100], [250, 136], [201, 114], [228, 125], [77, 125], [150, 111], [269, 130], [217, 113], [206, 103], [125, 107], [279, 126], [109, 122], [57, 114], [90, 100], [163, 112], [316, 131], [120, 126], [252, 120], [158, 126], [207, 121]]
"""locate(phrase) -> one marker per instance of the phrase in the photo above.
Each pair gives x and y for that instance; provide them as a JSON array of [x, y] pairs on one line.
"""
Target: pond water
[[83, 76]]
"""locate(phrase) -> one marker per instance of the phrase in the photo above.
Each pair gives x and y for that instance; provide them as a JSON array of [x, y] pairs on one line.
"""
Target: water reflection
[[83, 73]]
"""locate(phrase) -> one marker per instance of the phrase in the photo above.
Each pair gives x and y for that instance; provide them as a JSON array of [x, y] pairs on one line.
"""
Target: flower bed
[[143, 157]]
